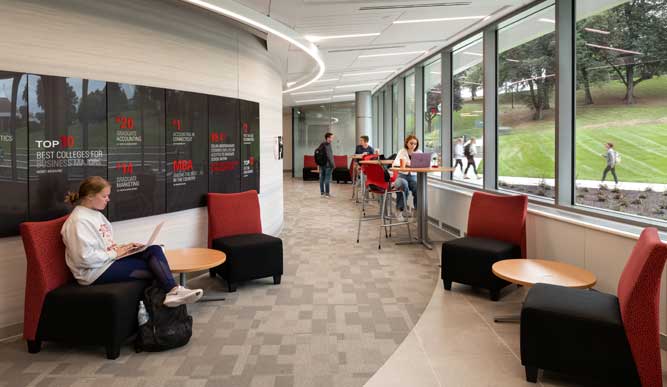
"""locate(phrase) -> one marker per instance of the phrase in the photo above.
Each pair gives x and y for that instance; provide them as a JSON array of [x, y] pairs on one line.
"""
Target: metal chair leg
[[407, 224], [361, 215], [382, 217]]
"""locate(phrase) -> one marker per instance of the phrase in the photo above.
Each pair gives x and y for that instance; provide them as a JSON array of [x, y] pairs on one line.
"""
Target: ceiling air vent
[[404, 6]]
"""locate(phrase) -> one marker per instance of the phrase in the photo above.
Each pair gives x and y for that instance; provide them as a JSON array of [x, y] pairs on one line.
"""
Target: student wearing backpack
[[470, 151], [612, 160], [92, 255], [325, 160]]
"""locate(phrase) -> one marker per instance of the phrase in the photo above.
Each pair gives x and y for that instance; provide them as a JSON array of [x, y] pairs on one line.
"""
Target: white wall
[[146, 42], [602, 252]]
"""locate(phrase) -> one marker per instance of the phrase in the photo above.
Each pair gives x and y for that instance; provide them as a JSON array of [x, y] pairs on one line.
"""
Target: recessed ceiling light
[[472, 53], [326, 80], [315, 38], [402, 6], [313, 92], [343, 95], [440, 19], [369, 73], [391, 54], [543, 20], [513, 60], [356, 85], [314, 100], [289, 84], [435, 72], [597, 31]]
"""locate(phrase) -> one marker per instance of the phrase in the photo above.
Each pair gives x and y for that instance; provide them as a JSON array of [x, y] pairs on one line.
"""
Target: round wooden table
[[193, 259], [528, 272]]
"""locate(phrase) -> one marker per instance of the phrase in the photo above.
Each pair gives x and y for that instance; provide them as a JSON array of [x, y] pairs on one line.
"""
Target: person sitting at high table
[[406, 181], [94, 258]]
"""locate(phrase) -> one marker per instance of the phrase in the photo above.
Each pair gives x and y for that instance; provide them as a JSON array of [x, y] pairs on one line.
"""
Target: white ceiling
[[342, 56]]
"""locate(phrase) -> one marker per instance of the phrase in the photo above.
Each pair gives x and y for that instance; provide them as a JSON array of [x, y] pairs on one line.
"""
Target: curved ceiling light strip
[[243, 14]]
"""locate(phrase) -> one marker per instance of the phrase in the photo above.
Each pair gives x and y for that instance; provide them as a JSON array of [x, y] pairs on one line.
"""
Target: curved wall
[[160, 43]]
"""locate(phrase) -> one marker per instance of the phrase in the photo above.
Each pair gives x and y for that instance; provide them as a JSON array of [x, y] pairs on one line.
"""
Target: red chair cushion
[[340, 161], [639, 297], [499, 217], [233, 214], [309, 161], [46, 268]]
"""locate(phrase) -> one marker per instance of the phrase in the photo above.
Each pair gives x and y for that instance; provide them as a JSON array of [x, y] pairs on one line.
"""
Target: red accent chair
[[598, 336], [377, 182], [309, 166], [496, 231], [58, 309], [235, 228], [341, 172]]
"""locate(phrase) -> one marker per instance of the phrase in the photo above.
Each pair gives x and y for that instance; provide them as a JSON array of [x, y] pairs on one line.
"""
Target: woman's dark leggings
[[459, 163], [147, 264], [471, 162]]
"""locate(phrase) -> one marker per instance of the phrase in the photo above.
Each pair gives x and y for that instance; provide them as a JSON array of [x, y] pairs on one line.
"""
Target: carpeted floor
[[340, 312]]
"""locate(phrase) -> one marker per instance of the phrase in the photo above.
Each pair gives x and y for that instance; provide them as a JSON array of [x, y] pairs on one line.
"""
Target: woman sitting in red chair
[[93, 256]]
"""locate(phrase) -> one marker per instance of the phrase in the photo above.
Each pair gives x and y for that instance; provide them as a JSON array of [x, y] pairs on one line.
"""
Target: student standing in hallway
[[327, 169]]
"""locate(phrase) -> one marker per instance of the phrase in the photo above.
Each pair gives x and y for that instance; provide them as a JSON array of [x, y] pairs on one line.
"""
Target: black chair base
[[34, 346]]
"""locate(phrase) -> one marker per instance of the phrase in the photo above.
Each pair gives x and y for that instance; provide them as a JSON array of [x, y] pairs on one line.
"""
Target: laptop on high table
[[420, 160]]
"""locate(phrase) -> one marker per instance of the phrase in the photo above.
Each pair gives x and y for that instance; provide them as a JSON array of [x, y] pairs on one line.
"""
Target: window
[[468, 110], [432, 107], [621, 99], [375, 131], [394, 113], [526, 105], [410, 105]]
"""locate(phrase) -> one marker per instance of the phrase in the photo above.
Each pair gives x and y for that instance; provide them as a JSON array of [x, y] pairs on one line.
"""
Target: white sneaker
[[181, 295]]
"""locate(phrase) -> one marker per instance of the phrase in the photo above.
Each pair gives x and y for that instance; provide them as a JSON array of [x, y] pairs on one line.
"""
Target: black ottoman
[[249, 256]]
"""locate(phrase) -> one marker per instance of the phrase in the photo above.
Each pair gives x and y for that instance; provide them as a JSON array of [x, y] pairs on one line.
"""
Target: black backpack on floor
[[166, 328]]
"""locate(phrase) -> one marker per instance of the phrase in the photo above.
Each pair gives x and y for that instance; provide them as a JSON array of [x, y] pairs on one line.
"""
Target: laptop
[[420, 160], [151, 241]]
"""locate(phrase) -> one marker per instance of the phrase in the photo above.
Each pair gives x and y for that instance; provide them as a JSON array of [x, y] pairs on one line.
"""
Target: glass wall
[[526, 106], [311, 122], [432, 108], [468, 110], [394, 115], [375, 130], [410, 105], [621, 98]]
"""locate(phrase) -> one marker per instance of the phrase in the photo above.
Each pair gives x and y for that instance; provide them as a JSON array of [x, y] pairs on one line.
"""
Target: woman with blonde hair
[[407, 182], [93, 256]]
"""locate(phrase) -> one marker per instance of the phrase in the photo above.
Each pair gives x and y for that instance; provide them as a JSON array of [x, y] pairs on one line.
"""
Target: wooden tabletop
[[357, 156], [194, 259], [427, 170], [528, 272], [383, 162]]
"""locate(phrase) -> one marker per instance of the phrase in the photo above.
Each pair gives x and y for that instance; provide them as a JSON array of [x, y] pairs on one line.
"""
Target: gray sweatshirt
[[611, 157]]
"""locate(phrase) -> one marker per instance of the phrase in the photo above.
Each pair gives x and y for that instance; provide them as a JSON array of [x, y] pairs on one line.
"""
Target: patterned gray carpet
[[340, 312]]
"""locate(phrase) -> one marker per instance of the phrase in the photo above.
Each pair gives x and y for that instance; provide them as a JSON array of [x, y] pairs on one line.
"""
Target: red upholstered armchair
[[598, 336], [56, 308], [235, 228], [341, 172], [309, 166], [496, 231]]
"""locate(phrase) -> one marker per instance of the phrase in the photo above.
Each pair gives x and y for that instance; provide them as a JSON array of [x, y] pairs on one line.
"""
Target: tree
[[473, 79], [531, 67], [634, 41]]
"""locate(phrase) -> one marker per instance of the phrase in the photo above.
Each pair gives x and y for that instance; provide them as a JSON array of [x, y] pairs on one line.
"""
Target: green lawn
[[639, 133]]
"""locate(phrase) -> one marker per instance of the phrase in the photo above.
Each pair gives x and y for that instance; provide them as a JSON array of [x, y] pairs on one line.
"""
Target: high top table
[[422, 201]]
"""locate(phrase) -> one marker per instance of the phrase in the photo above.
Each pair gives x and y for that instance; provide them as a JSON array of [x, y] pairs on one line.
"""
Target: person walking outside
[[612, 160], [458, 154], [327, 169], [470, 151]]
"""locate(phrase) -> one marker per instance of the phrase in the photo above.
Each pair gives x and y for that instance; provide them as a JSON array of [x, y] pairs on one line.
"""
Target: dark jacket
[[330, 158]]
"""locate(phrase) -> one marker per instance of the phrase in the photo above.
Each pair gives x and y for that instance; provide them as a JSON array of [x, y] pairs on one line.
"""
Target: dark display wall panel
[[187, 149], [67, 139], [13, 151], [249, 116], [136, 138], [224, 146]]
